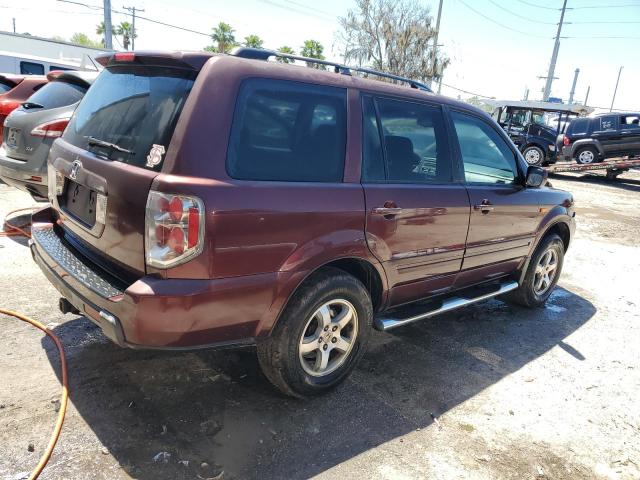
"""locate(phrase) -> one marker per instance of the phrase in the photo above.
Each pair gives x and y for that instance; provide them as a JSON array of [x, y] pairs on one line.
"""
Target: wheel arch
[[559, 227]]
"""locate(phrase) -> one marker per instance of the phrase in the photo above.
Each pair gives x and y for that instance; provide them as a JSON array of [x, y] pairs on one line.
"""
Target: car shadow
[[621, 182], [213, 411]]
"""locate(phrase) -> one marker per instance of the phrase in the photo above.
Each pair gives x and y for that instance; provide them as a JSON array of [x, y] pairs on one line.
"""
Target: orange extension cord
[[13, 229], [44, 459]]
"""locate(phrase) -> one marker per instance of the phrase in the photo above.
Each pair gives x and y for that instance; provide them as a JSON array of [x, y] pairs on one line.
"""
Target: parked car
[[15, 89], [227, 200], [30, 130], [598, 137], [534, 126]]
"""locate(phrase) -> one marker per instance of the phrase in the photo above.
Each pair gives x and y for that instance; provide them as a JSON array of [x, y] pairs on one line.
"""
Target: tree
[[82, 39], [288, 51], [253, 41], [101, 30], [126, 30], [224, 39], [391, 36], [313, 49]]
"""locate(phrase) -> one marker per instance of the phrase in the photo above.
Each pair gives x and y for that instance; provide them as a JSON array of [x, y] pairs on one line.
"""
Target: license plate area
[[80, 202], [12, 137]]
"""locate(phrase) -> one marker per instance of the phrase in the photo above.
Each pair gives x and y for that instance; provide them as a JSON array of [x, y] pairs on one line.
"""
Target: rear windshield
[[579, 125], [5, 86], [129, 114], [58, 94]]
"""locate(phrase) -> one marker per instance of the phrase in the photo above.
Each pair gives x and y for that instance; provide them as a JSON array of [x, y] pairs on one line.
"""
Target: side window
[[372, 156], [579, 126], [607, 123], [415, 142], [628, 122], [486, 156], [31, 68], [288, 131]]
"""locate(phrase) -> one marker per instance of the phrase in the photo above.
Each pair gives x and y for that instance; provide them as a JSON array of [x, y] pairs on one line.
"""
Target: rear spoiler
[[180, 60], [83, 79]]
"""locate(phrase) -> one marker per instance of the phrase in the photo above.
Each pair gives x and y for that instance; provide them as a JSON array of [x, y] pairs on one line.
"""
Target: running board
[[448, 304]]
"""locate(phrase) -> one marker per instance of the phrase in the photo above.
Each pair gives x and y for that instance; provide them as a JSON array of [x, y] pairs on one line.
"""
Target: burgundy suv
[[224, 200]]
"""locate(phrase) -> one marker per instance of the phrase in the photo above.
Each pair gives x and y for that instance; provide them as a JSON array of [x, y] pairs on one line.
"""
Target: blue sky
[[497, 47]]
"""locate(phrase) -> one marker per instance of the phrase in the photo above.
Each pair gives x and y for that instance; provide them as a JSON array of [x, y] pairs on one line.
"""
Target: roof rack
[[264, 54]]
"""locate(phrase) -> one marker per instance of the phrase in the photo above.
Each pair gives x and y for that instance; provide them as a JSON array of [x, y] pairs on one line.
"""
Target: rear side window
[[31, 68], [579, 126], [58, 94], [486, 156], [130, 113], [607, 123], [288, 131], [414, 142]]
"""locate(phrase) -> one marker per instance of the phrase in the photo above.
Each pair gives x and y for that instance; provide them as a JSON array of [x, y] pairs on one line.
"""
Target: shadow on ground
[[217, 408]]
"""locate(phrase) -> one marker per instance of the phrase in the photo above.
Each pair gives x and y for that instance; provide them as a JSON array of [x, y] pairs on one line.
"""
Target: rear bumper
[[154, 312], [19, 174]]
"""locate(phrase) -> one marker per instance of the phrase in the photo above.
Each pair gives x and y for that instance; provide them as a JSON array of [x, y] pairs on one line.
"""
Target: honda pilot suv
[[225, 200]]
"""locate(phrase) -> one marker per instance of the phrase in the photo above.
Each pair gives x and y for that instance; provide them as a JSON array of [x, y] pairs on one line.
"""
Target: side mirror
[[536, 176]]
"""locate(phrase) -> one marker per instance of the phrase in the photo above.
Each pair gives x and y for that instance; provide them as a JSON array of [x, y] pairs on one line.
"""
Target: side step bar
[[448, 304]]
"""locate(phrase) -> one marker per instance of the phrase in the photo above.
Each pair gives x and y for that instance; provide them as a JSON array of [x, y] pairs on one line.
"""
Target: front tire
[[542, 274], [320, 336], [533, 155]]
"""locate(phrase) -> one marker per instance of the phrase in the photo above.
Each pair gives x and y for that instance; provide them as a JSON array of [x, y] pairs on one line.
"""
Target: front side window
[[414, 143], [288, 131], [58, 94], [630, 121], [31, 68], [486, 156]]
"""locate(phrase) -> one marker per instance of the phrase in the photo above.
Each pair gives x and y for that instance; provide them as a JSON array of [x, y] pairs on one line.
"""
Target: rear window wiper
[[96, 142], [29, 105]]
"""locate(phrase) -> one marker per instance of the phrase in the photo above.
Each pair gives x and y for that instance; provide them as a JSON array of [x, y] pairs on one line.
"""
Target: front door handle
[[484, 207], [387, 211]]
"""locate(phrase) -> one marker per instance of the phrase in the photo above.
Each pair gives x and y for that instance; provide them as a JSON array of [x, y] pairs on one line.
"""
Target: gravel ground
[[492, 391]]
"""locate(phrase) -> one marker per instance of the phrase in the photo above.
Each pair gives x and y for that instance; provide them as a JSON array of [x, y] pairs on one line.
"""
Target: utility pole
[[616, 89], [133, 11], [573, 87], [435, 43], [14, 24], [526, 94], [586, 98], [554, 57], [108, 34]]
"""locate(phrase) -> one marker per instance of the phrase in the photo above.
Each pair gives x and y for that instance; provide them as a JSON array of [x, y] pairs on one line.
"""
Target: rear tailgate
[[103, 166]]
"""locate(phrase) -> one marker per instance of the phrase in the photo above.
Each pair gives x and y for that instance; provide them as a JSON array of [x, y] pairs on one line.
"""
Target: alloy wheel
[[586, 156], [546, 271], [328, 337]]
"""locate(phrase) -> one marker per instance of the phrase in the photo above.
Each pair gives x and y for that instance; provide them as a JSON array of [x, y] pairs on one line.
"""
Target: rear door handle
[[387, 211], [484, 207]]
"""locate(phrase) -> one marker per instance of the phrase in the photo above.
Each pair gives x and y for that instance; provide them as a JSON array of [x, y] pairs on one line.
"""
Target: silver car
[[30, 130]]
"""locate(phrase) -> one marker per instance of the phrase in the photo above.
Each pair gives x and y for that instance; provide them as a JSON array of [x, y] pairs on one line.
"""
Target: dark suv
[[227, 200], [606, 135]]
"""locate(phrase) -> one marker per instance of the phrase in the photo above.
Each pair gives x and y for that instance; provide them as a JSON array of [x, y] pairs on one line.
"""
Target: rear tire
[[533, 155], [587, 156], [542, 274], [320, 336]]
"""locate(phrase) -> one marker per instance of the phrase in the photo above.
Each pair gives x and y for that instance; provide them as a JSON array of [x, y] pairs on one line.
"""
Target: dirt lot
[[493, 391]]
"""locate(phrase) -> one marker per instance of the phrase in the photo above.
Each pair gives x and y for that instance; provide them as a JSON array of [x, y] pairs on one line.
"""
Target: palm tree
[[126, 30], [253, 41], [100, 30], [224, 38], [288, 51], [313, 49]]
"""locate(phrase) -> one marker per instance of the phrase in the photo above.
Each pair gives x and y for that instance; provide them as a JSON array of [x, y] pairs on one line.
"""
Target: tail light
[[50, 129], [174, 229], [8, 106], [566, 141]]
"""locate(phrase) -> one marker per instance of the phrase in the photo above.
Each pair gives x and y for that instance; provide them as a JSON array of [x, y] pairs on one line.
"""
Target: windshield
[[130, 113], [58, 94]]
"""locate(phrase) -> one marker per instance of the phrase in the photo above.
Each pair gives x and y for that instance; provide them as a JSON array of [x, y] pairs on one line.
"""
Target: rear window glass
[[579, 126], [288, 131], [58, 94], [130, 113]]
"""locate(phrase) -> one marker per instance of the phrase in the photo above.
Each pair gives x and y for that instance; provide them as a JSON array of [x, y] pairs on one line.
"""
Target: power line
[[636, 5], [538, 6], [467, 91], [500, 24], [520, 16]]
